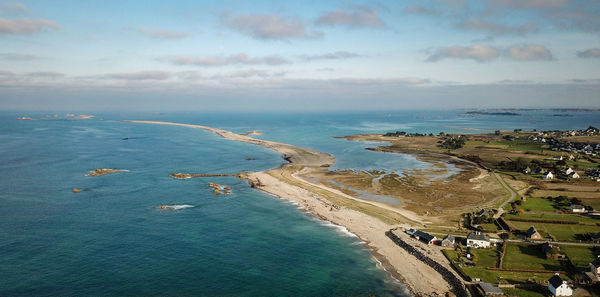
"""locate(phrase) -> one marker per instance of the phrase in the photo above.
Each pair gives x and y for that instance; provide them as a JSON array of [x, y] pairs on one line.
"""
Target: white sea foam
[[338, 228], [175, 207]]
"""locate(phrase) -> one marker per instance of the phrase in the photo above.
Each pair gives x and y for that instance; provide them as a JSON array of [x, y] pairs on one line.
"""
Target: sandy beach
[[369, 220]]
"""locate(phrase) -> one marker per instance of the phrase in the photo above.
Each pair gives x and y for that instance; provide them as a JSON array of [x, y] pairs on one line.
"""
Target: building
[[558, 287], [490, 290], [595, 267], [481, 213], [549, 176], [533, 234], [596, 237], [574, 175], [448, 241], [410, 232], [551, 251], [425, 237], [568, 171], [577, 208], [527, 170], [560, 158], [478, 240]]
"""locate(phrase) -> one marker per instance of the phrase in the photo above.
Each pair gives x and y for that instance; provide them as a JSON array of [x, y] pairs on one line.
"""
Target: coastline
[[368, 220]]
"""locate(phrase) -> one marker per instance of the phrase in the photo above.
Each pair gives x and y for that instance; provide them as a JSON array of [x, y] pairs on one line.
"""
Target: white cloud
[[479, 53], [163, 34], [357, 17], [238, 59], [529, 53], [25, 26], [267, 26]]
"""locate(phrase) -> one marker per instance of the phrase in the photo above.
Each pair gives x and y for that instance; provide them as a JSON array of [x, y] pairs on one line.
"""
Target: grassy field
[[487, 258], [554, 217], [538, 204], [558, 231], [580, 256], [571, 194], [523, 293], [528, 257]]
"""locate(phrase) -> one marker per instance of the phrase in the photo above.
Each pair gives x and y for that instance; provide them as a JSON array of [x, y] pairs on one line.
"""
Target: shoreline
[[331, 205]]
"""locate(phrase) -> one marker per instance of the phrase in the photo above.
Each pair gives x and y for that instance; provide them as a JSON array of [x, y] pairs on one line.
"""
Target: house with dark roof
[[533, 234], [490, 290], [448, 241], [482, 212], [478, 240], [558, 287], [596, 237], [425, 237], [595, 266], [551, 251]]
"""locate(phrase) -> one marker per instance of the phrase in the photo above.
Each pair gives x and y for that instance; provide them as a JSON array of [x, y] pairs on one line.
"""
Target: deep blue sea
[[111, 239]]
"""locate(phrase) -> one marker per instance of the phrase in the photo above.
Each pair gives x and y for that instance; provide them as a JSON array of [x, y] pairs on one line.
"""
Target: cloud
[[6, 73], [25, 26], [45, 74], [585, 81], [531, 3], [267, 26], [163, 34], [529, 53], [13, 8], [479, 53], [497, 29], [141, 75], [339, 55], [419, 9], [589, 53], [484, 53], [16, 57], [237, 59], [359, 17]]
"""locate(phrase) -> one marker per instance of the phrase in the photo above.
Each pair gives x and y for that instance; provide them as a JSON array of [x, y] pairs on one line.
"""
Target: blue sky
[[301, 55]]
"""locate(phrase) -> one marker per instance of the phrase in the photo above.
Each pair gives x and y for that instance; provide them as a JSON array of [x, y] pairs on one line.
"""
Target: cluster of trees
[[563, 202], [453, 142], [402, 133]]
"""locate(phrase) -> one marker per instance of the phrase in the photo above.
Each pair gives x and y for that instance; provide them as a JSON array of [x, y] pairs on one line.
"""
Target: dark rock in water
[[250, 159], [126, 138]]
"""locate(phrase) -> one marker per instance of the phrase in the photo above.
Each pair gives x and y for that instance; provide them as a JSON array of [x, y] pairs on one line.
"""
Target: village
[[543, 239]]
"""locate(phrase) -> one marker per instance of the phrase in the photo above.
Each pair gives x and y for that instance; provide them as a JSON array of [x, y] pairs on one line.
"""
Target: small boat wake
[[175, 207]]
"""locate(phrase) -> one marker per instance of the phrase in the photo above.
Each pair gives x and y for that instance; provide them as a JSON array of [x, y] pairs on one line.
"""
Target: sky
[[298, 55]]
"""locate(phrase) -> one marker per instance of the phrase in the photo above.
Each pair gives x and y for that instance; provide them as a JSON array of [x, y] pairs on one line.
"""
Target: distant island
[[497, 113]]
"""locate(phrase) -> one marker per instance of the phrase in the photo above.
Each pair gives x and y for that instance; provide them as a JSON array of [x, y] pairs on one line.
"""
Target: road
[[513, 195]]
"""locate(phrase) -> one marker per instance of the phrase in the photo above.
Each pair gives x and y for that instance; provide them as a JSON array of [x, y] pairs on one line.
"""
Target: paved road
[[513, 195]]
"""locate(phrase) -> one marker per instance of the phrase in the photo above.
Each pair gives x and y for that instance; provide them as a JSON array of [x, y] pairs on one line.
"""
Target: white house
[[558, 158], [577, 208], [569, 171], [549, 176], [478, 240], [574, 175], [558, 287]]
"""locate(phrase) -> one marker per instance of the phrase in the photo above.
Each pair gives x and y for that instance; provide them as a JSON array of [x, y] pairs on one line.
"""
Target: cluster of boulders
[[456, 284]]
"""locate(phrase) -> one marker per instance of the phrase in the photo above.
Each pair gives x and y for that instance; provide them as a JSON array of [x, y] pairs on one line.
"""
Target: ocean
[[111, 239]]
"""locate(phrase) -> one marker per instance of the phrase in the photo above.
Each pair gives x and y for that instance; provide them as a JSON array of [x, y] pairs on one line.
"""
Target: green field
[[580, 256], [538, 204], [528, 257], [487, 258], [523, 293], [554, 217], [559, 231]]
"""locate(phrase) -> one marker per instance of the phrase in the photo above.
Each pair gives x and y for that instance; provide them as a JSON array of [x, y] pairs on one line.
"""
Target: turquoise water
[[111, 240]]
